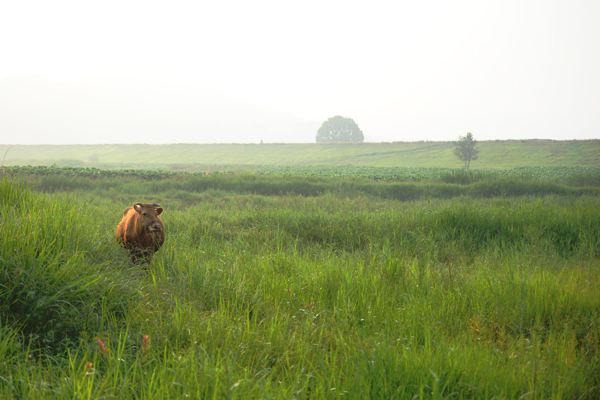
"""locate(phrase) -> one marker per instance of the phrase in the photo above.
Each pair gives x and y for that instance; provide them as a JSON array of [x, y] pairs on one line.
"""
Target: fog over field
[[138, 110], [154, 72]]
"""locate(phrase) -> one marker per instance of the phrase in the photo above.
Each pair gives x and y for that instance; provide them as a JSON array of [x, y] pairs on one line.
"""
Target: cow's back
[[126, 228]]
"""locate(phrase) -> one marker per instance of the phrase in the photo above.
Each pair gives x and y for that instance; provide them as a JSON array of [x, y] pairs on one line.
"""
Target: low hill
[[493, 154]]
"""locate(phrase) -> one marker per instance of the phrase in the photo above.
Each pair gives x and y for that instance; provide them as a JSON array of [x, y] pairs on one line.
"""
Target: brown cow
[[141, 231]]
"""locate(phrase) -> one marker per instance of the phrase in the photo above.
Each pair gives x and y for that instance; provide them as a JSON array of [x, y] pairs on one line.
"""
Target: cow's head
[[148, 216]]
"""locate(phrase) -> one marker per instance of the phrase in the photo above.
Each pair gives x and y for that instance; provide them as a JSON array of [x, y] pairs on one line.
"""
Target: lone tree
[[464, 149], [339, 129]]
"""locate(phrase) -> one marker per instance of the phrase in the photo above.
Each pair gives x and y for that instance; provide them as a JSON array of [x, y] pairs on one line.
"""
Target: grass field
[[280, 286], [493, 155]]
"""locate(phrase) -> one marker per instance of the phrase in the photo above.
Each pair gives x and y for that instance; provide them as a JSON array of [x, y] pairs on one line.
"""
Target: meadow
[[291, 284], [500, 154]]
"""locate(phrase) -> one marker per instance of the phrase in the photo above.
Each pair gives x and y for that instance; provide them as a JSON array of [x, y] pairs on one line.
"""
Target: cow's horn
[[155, 205]]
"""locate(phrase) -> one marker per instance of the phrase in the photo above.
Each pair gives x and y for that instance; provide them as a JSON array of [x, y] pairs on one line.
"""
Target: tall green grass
[[456, 184], [289, 296], [56, 276]]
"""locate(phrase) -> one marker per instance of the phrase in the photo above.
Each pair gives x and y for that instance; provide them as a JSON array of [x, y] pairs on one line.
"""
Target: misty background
[[239, 72]]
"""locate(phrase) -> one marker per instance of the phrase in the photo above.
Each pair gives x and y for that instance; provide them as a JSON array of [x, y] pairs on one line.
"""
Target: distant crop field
[[390, 174], [303, 282], [493, 155]]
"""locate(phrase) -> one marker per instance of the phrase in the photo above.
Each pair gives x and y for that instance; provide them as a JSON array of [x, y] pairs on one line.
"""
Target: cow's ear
[[159, 210], [137, 207]]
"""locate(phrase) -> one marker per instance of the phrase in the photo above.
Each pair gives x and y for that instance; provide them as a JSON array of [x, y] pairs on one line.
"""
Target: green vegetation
[[339, 130], [462, 284], [464, 149], [573, 176], [492, 155]]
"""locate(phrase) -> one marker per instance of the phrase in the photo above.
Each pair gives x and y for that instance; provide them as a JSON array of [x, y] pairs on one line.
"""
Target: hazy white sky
[[403, 70]]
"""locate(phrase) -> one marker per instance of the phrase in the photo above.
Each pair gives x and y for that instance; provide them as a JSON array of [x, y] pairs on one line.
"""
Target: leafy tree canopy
[[339, 129], [464, 149]]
